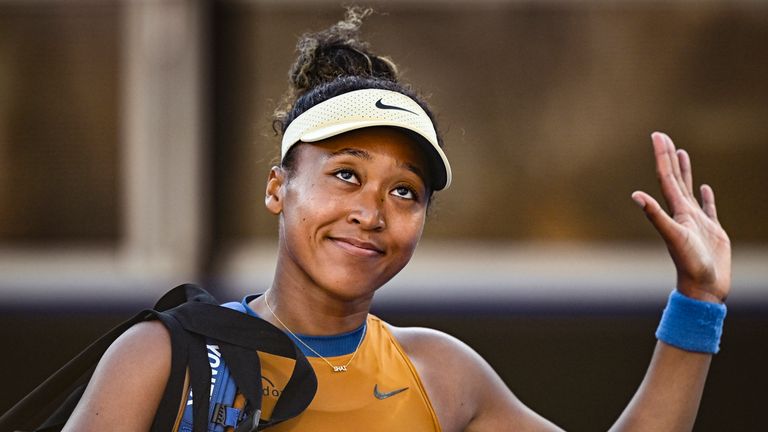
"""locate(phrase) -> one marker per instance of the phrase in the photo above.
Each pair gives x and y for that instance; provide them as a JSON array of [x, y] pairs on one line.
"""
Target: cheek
[[307, 207], [409, 232]]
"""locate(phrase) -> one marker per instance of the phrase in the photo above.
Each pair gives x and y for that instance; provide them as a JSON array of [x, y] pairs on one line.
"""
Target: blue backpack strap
[[223, 389], [221, 412], [240, 338]]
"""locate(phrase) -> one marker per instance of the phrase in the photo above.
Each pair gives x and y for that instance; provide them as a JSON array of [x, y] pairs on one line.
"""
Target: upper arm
[[465, 391], [128, 383]]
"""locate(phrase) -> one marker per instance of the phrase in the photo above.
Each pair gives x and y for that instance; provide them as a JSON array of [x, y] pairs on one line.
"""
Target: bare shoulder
[[441, 361], [440, 351], [128, 382], [147, 334], [465, 391], [435, 349]]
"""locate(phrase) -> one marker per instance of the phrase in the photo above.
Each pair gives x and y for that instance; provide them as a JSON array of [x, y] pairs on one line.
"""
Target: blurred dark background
[[135, 139]]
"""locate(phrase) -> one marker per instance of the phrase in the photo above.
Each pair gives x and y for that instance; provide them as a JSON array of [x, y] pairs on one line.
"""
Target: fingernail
[[639, 201]]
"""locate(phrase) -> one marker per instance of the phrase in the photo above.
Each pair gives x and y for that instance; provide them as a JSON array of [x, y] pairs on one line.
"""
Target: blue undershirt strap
[[327, 346]]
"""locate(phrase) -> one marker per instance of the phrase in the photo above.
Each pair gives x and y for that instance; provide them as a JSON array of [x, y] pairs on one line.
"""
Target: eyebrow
[[362, 154], [414, 169]]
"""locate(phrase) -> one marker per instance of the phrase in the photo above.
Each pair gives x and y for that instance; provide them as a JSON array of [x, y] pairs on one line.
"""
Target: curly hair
[[335, 61]]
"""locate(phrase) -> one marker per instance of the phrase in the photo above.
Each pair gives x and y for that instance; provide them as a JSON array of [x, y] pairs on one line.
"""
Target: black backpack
[[194, 319]]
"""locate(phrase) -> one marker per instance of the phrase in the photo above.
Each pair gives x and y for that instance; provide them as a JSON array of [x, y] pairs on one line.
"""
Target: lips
[[358, 247]]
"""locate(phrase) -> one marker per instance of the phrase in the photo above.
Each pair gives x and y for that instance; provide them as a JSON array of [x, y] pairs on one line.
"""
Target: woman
[[359, 164]]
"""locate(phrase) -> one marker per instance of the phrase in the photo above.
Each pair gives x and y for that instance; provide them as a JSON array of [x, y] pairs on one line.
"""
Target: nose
[[367, 211]]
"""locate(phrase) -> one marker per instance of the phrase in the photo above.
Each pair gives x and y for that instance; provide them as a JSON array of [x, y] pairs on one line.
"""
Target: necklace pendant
[[339, 368]]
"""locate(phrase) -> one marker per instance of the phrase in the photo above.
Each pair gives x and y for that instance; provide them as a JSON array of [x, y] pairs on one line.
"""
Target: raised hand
[[698, 245]]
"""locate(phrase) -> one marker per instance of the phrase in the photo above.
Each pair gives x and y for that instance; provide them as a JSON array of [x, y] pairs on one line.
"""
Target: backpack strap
[[66, 385], [191, 315], [187, 351], [239, 337]]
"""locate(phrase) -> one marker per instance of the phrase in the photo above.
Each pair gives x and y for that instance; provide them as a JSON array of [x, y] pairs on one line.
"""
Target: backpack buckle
[[219, 414], [226, 415], [250, 424]]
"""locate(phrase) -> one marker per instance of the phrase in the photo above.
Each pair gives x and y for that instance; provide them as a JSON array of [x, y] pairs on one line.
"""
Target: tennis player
[[360, 161]]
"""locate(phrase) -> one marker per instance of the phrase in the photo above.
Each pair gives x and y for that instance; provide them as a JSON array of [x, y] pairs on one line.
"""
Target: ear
[[274, 194]]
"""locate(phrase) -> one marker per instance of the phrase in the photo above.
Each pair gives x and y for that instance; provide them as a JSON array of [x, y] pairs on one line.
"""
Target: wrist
[[692, 324], [700, 295], [713, 292]]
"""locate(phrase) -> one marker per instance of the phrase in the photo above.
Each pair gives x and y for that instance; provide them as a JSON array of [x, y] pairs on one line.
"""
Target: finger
[[677, 171], [670, 186], [708, 202], [664, 224], [685, 170]]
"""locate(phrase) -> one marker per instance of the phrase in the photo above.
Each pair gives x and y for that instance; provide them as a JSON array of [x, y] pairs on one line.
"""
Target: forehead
[[379, 141]]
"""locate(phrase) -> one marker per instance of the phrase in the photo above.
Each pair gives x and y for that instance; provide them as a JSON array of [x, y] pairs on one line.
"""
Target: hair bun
[[337, 51]]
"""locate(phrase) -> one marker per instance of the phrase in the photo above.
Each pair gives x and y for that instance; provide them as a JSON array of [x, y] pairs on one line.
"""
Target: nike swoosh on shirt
[[382, 105], [381, 396]]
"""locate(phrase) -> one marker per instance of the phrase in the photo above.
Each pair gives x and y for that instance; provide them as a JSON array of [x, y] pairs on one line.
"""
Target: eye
[[347, 176], [404, 192]]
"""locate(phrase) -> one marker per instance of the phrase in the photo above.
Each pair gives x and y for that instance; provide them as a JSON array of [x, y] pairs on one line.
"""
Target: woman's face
[[352, 211]]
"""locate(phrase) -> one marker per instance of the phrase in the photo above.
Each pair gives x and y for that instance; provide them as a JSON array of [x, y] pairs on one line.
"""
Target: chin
[[352, 288]]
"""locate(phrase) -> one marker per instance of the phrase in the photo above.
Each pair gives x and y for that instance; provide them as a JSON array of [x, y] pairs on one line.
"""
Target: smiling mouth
[[357, 247]]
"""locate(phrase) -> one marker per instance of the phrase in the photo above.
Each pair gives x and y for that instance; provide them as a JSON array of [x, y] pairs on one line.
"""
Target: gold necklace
[[339, 368]]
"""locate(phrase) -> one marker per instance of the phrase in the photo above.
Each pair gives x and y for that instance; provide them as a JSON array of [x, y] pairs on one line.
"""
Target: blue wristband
[[692, 325]]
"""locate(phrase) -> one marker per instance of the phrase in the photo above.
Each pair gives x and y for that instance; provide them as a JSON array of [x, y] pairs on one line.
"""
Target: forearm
[[668, 398]]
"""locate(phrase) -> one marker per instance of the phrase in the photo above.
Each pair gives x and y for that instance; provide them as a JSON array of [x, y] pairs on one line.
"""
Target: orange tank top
[[380, 391]]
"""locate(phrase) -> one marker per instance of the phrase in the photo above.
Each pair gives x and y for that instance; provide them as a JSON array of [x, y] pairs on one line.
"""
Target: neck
[[309, 309]]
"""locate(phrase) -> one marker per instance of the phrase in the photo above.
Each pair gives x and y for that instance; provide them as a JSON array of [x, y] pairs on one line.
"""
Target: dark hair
[[335, 61]]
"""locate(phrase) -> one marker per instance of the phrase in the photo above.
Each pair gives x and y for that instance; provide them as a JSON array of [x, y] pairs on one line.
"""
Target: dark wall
[[576, 369], [546, 109]]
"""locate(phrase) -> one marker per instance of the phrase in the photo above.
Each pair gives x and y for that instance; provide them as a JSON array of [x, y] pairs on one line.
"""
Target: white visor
[[366, 108]]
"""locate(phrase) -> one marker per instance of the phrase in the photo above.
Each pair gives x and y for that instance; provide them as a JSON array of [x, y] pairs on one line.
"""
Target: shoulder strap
[[191, 315], [240, 336], [66, 385]]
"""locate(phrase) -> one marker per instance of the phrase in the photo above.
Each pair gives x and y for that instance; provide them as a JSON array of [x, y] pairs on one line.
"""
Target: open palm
[[698, 245]]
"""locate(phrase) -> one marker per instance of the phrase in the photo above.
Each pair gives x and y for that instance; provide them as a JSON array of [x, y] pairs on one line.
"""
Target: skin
[[351, 214]]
